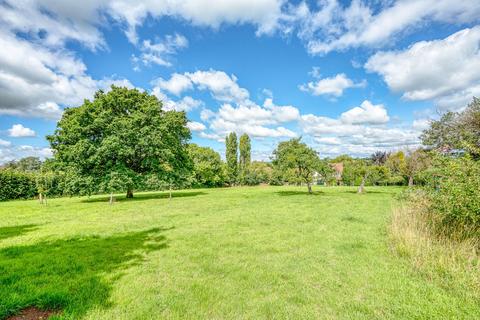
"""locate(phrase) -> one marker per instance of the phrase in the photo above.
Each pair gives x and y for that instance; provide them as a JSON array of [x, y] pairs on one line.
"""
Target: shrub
[[454, 193], [16, 185]]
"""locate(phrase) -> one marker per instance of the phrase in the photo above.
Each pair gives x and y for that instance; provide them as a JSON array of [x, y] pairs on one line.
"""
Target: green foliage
[[16, 185], [454, 191], [244, 176], [456, 131], [245, 151], [119, 140], [208, 168], [231, 154], [258, 172], [298, 162]]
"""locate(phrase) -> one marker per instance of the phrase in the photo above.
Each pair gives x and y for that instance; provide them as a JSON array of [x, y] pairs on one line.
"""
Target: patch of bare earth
[[33, 313]]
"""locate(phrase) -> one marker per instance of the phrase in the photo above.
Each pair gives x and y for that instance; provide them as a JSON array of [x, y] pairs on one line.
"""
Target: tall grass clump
[[442, 254]]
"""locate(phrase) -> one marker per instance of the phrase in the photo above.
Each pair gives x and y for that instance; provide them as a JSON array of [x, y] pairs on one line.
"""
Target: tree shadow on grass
[[146, 196], [286, 193], [15, 231], [70, 275]]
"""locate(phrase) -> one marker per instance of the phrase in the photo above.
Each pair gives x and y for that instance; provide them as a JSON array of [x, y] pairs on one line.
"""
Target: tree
[[119, 140], [415, 161], [456, 131], [244, 159], [208, 168], [379, 158], [231, 153], [296, 157], [245, 151]]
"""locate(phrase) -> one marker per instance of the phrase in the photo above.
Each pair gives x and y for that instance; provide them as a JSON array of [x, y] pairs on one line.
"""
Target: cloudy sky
[[348, 76]]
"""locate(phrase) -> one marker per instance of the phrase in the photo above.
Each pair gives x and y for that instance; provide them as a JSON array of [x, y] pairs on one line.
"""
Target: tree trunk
[[170, 194], [361, 189], [129, 193], [111, 198], [410, 181], [40, 198], [309, 186]]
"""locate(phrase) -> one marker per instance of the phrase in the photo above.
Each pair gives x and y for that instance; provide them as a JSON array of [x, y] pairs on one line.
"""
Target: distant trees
[[299, 161], [231, 155], [208, 168], [122, 140]]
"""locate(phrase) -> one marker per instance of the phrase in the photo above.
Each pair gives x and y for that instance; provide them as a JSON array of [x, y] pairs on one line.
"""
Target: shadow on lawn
[[15, 231], [70, 275], [298, 193], [147, 196]]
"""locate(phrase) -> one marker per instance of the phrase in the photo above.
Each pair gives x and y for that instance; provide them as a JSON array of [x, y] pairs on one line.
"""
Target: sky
[[349, 77]]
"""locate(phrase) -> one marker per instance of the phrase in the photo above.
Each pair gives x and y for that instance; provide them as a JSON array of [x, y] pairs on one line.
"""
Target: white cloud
[[441, 70], [161, 51], [175, 85], [254, 120], [366, 113], [421, 124], [334, 26], [333, 86], [4, 143], [359, 131], [196, 126], [18, 130], [35, 80], [263, 14], [56, 22], [222, 86]]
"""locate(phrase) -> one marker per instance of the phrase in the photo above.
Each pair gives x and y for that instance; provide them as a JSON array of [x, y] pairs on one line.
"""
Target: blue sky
[[348, 76]]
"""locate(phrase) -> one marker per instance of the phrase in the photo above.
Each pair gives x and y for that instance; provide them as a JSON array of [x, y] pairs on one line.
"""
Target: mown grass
[[238, 253]]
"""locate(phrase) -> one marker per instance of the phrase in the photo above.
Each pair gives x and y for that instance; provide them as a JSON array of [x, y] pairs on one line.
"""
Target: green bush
[[16, 185], [454, 191]]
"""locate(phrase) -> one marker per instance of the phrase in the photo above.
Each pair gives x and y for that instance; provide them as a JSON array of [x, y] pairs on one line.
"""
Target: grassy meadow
[[233, 253]]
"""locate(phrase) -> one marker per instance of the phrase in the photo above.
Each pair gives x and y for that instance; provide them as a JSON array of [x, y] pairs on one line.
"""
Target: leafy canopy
[[120, 141], [297, 160]]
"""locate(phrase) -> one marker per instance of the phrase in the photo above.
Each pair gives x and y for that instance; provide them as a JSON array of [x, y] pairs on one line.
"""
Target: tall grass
[[414, 234]]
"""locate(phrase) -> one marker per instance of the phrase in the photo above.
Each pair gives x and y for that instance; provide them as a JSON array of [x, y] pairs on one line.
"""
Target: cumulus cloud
[[332, 86], [441, 70], [196, 126], [254, 119], [18, 131], [359, 131], [333, 26], [35, 80], [366, 113]]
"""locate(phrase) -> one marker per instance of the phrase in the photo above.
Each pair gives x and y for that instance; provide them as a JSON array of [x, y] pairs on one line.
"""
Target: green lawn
[[239, 253]]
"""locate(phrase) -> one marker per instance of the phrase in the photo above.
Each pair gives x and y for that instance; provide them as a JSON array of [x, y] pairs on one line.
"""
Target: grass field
[[239, 253]]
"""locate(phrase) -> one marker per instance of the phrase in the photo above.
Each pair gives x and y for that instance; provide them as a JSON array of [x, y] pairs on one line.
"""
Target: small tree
[[231, 154], [296, 157], [208, 168]]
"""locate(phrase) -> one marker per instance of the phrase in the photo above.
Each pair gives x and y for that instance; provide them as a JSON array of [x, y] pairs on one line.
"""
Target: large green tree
[[121, 140], [209, 170], [231, 154], [297, 159]]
